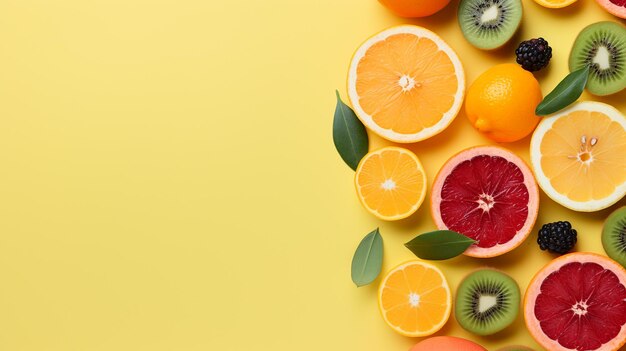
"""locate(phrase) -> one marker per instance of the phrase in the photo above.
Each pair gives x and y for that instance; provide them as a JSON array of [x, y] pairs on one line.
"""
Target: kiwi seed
[[602, 46], [487, 301], [614, 236], [489, 24]]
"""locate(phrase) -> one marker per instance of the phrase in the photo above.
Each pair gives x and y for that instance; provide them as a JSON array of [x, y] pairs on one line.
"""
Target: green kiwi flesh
[[489, 24], [614, 236], [487, 301], [601, 45]]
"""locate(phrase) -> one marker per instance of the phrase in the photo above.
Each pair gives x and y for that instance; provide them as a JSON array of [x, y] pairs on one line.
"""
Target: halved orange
[[579, 156], [414, 299], [406, 84], [391, 183], [555, 4]]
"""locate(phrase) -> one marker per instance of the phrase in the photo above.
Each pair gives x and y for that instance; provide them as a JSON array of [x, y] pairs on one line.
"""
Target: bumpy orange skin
[[447, 343], [501, 103], [414, 8]]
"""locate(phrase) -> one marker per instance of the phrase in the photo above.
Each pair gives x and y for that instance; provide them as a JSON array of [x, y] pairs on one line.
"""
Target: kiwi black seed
[[487, 301], [489, 24], [602, 46], [614, 236]]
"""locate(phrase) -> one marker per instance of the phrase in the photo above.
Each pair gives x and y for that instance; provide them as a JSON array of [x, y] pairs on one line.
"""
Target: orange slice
[[414, 299], [406, 84], [579, 156], [555, 4], [391, 183]]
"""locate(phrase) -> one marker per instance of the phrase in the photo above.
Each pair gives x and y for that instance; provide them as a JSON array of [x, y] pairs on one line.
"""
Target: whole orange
[[501, 103], [414, 8]]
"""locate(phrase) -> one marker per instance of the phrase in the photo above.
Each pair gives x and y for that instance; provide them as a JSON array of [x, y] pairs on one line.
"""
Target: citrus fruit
[[578, 302], [391, 183], [488, 194], [501, 103], [406, 84], [414, 8], [555, 4], [579, 156], [615, 7], [414, 299], [447, 343]]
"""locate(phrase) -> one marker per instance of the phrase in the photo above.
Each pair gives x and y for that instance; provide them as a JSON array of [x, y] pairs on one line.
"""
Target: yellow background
[[168, 179]]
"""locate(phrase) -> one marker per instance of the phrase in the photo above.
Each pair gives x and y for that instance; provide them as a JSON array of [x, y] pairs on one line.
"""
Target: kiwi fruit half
[[489, 24], [602, 46], [487, 301], [614, 236]]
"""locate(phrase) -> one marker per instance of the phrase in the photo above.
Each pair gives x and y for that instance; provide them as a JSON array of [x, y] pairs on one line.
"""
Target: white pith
[[414, 299], [425, 133], [490, 15], [544, 182], [602, 58], [388, 184], [485, 302]]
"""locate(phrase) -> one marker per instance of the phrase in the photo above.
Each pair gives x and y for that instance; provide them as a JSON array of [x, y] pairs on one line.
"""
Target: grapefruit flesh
[[488, 194], [578, 302]]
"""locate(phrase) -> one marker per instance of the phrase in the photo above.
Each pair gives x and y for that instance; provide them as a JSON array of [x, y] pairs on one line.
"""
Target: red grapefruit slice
[[578, 302], [488, 194]]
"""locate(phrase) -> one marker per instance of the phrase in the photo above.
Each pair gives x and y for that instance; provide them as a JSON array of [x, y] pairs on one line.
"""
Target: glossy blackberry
[[557, 237], [533, 54]]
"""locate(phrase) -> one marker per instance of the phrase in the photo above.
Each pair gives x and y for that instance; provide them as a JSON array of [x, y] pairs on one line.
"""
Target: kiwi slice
[[602, 46], [487, 301], [614, 236], [489, 24]]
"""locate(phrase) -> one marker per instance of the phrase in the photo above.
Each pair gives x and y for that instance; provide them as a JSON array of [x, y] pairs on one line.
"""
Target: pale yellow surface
[[168, 179]]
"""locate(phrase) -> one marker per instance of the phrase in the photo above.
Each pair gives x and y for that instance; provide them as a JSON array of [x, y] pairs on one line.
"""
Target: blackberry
[[533, 54], [557, 237]]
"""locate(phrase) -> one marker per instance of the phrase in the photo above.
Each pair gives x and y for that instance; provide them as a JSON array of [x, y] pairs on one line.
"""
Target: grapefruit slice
[[391, 183], [615, 7], [488, 194], [414, 299], [579, 156], [578, 302], [406, 84]]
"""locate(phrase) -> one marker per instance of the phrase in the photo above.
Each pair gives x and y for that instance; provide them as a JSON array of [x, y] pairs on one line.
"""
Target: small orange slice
[[579, 156], [555, 4], [414, 299], [406, 84], [391, 183]]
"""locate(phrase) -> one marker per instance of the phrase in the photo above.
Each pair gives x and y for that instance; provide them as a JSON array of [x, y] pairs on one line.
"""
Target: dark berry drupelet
[[557, 237], [533, 54]]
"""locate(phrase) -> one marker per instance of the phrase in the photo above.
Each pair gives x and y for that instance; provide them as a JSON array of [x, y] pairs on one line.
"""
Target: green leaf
[[439, 245], [566, 92], [368, 259], [349, 135]]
